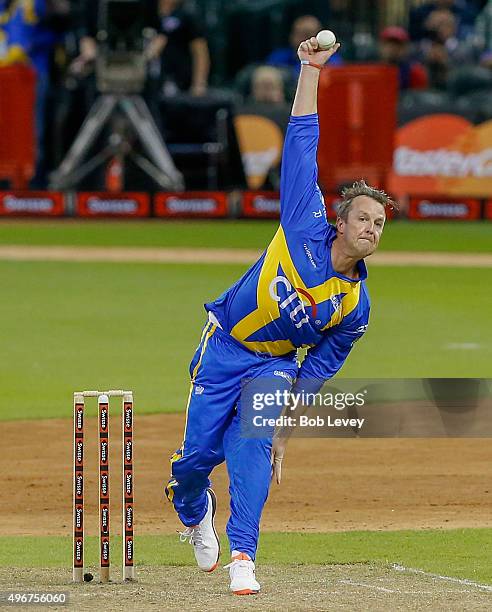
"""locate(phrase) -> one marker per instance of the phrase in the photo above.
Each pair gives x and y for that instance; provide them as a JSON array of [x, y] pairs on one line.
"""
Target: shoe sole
[[213, 497], [245, 592]]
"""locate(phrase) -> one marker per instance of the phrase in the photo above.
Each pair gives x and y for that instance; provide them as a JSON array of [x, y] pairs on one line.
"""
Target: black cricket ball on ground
[[88, 577]]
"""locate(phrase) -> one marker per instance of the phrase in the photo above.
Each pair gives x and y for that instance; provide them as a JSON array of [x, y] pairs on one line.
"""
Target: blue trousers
[[213, 434]]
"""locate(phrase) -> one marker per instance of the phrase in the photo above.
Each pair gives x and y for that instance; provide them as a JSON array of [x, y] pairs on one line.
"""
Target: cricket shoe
[[204, 537], [242, 573]]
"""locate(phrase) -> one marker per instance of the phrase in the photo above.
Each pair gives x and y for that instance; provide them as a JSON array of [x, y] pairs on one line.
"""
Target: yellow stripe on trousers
[[206, 335]]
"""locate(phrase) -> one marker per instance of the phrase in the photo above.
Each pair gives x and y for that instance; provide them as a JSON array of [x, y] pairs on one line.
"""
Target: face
[[361, 232], [302, 29], [393, 51], [267, 88]]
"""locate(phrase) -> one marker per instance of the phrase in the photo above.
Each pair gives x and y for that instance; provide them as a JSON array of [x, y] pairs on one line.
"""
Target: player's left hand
[[309, 50], [278, 451]]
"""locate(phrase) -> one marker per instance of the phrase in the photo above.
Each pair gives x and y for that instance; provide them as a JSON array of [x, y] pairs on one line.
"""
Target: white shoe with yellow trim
[[204, 538]]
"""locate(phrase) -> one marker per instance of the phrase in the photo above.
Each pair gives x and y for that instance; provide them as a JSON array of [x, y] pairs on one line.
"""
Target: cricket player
[[306, 290]]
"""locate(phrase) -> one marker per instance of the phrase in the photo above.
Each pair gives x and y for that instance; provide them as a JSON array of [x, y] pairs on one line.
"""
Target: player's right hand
[[309, 50]]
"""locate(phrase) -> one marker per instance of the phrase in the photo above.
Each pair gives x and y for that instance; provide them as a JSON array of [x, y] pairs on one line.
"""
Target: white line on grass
[[464, 346], [367, 586], [464, 581]]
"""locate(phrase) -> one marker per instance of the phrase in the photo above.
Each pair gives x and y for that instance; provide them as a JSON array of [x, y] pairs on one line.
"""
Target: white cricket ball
[[326, 39]]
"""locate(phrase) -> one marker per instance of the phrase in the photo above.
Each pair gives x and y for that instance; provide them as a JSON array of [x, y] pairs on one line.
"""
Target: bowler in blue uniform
[[307, 290]]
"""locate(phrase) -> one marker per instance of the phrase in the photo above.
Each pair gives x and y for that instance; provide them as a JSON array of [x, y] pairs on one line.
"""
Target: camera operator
[[87, 31]]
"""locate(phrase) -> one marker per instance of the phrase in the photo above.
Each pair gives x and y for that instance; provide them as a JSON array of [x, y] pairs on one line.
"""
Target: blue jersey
[[292, 297]]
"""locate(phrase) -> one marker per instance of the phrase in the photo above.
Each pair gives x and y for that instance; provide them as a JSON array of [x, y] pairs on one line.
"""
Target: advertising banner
[[461, 209], [261, 141], [191, 204], [442, 154], [261, 204], [31, 204], [98, 204], [488, 209]]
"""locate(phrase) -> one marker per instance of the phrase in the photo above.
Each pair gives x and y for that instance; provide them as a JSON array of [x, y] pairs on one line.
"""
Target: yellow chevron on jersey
[[268, 309]]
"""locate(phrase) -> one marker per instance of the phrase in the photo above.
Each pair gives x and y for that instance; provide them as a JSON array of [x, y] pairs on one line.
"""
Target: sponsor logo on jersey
[[298, 314], [287, 377], [309, 255]]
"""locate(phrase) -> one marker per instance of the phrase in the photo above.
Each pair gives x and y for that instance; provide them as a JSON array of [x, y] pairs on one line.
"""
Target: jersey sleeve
[[301, 203], [324, 360]]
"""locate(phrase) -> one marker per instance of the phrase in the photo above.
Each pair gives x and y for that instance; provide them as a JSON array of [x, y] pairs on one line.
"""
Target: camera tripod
[[158, 164]]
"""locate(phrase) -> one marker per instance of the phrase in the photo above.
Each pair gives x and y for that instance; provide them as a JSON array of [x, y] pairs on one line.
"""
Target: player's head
[[361, 218]]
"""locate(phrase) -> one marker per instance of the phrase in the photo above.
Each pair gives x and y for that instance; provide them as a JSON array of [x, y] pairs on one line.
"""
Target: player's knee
[[201, 459]]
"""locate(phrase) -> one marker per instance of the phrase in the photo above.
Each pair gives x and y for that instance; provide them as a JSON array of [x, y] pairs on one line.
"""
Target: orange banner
[[442, 154], [261, 141]]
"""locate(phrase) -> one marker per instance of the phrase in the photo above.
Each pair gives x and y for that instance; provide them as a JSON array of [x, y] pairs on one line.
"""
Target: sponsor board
[[488, 209], [261, 141], [191, 204], [262, 204], [98, 204], [32, 204], [444, 208], [442, 154]]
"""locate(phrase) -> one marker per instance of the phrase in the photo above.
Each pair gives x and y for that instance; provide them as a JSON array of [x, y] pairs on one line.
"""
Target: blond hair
[[361, 188]]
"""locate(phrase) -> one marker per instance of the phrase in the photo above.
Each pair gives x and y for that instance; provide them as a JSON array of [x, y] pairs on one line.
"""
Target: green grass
[[398, 236], [67, 326], [463, 553]]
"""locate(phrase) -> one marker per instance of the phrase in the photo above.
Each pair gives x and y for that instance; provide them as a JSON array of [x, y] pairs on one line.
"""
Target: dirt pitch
[[295, 587], [184, 255], [346, 484]]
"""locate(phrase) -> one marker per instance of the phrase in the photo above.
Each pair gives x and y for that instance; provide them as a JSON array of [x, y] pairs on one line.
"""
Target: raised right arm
[[301, 202]]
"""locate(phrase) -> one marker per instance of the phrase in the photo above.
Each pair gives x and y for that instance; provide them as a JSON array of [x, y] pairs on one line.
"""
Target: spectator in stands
[[394, 49], [440, 49], [267, 85], [483, 33], [464, 13], [302, 29], [185, 53]]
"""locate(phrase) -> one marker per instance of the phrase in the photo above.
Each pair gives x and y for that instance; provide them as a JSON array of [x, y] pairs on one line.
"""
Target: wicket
[[104, 493]]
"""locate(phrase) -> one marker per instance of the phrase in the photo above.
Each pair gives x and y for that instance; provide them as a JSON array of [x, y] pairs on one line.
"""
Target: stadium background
[[118, 302]]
